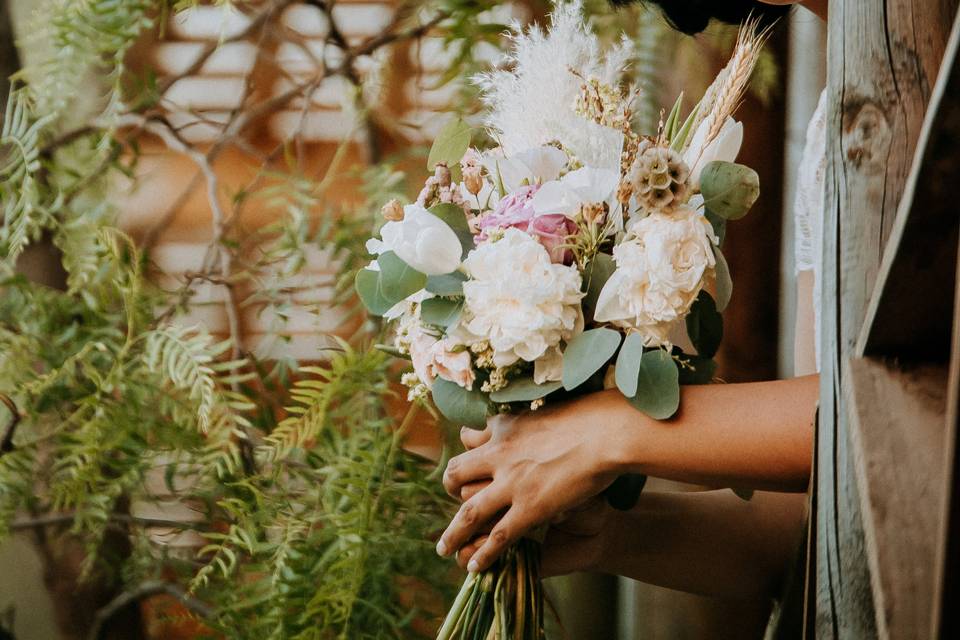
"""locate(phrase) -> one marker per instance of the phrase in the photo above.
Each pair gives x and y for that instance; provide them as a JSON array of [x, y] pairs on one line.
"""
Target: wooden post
[[884, 56]]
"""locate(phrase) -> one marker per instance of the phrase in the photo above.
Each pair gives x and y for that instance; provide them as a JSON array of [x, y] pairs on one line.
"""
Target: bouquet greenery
[[563, 260]]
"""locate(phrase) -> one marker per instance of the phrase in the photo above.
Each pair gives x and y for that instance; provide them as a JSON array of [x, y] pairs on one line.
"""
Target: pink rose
[[453, 366], [516, 211], [432, 358]]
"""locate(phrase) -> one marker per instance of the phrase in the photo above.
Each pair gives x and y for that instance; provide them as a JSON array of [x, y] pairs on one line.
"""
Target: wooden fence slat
[[896, 428], [923, 242], [883, 57]]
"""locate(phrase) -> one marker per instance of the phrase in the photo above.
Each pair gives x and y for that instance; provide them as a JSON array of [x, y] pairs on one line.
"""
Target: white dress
[[808, 206]]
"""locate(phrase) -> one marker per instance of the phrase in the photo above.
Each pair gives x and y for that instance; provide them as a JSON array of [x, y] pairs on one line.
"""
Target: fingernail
[[441, 548], [472, 566]]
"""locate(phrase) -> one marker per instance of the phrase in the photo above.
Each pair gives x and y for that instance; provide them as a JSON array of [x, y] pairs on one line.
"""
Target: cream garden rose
[[661, 268], [518, 300]]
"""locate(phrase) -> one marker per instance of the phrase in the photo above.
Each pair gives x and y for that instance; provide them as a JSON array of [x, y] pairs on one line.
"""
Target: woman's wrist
[[622, 430]]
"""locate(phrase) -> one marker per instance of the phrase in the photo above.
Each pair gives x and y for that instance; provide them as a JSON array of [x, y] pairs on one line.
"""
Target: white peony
[[531, 166], [422, 240], [724, 147], [518, 300], [661, 268], [581, 187]]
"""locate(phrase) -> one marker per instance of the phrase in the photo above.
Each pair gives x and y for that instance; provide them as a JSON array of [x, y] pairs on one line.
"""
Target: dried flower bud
[[473, 180], [392, 211], [442, 174], [594, 213]]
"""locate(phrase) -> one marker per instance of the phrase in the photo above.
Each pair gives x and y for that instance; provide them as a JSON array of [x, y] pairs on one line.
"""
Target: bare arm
[[711, 542], [756, 435]]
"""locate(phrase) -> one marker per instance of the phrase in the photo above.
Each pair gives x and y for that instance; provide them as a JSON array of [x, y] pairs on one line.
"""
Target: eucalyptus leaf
[[586, 353], [628, 365], [524, 390], [456, 219], [724, 281], [705, 325], [624, 492], [719, 225], [460, 406], [441, 312], [398, 280], [450, 144], [696, 369], [594, 277], [449, 284], [391, 350], [658, 393], [367, 284], [729, 189]]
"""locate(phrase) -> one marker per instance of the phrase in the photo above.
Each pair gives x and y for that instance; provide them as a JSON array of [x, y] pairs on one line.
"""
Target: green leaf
[[456, 219], [449, 284], [398, 280], [679, 141], [719, 225], [696, 369], [367, 284], [441, 312], [724, 281], [705, 325], [586, 354], [594, 277], [524, 390], [658, 395], [625, 491], [450, 144], [628, 365], [729, 189], [460, 406], [391, 350], [670, 127], [743, 494]]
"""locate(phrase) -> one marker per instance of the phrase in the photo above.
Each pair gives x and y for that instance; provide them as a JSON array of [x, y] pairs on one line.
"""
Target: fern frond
[[24, 211]]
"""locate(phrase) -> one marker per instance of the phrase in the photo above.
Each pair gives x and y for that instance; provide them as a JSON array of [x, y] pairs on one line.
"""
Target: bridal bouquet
[[568, 258]]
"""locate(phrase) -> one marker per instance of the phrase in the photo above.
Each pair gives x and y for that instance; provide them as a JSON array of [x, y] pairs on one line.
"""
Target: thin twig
[[141, 592], [6, 444], [53, 519]]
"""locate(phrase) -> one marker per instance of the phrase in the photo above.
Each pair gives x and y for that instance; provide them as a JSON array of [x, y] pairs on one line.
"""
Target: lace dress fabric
[[809, 203]]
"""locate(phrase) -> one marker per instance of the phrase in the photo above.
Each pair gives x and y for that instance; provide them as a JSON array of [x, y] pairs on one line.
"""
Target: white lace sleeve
[[808, 206]]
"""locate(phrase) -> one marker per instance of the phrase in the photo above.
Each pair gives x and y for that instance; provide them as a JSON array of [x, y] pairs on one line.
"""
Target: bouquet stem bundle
[[504, 602]]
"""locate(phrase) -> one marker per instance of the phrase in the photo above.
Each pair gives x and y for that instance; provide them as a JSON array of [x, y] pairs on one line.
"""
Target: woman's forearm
[[711, 543], [755, 435]]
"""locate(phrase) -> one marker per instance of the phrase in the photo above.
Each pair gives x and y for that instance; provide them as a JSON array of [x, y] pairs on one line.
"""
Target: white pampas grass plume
[[532, 100]]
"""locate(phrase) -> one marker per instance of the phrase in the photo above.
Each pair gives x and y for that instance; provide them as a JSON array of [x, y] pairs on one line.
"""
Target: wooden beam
[[910, 311], [946, 618], [883, 58], [896, 425]]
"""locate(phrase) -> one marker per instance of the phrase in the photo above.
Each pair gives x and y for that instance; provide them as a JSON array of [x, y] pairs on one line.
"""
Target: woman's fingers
[[466, 553], [513, 525], [472, 489], [473, 515], [466, 468], [473, 438]]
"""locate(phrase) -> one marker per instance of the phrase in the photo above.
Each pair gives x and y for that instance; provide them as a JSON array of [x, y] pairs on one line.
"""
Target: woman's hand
[[576, 541], [538, 465]]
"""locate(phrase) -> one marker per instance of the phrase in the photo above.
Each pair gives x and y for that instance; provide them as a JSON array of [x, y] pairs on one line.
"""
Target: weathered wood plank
[[883, 57], [923, 242], [946, 618], [896, 428]]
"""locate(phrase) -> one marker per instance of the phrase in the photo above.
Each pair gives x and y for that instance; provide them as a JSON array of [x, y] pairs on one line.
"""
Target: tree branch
[[141, 592], [6, 444]]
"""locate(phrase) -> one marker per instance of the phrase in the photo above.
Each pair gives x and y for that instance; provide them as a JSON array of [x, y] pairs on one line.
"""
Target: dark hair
[[693, 16]]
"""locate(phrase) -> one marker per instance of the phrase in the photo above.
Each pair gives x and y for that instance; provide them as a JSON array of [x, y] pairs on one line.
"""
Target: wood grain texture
[[896, 429], [905, 320], [946, 618], [883, 58]]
